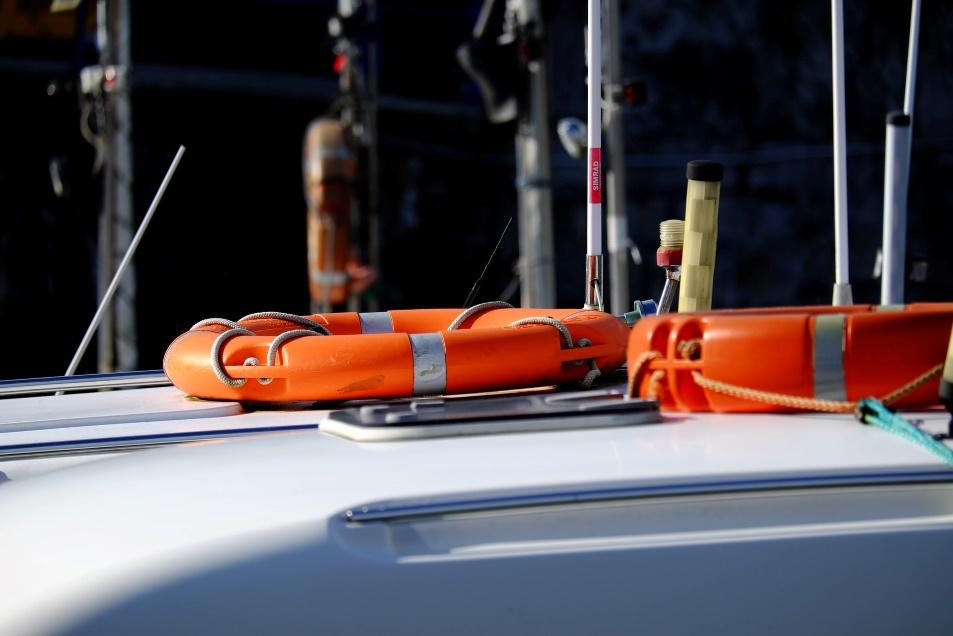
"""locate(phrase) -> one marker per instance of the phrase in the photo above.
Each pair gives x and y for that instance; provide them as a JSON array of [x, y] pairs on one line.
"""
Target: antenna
[[842, 293], [476, 286], [896, 179], [897, 176], [913, 47], [107, 297], [594, 178]]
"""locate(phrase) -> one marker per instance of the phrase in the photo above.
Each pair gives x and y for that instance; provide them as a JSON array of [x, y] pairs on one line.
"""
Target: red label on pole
[[595, 175]]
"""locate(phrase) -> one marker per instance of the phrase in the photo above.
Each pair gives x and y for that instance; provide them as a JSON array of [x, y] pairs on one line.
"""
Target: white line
[[107, 297]]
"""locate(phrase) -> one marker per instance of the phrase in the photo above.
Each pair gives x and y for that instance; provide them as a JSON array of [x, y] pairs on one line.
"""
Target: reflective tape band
[[889, 308], [430, 363], [376, 322], [329, 152], [328, 278], [829, 357]]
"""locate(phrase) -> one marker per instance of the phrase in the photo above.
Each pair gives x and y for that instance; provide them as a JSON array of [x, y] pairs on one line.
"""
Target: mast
[[373, 154], [535, 204], [897, 157], [913, 48], [594, 166], [617, 223], [896, 175], [117, 344], [842, 292]]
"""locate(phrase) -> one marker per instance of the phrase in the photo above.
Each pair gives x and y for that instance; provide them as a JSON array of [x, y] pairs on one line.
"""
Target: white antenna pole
[[842, 293], [594, 178], [897, 176], [617, 224], [910, 90], [107, 297]]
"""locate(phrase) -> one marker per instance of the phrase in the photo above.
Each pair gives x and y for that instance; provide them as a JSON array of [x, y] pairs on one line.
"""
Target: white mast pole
[[913, 47], [897, 176], [594, 178], [896, 173], [842, 293], [617, 224]]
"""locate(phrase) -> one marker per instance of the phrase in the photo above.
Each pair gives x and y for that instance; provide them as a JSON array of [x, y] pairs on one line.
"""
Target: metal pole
[[535, 219], [373, 159], [896, 173], [617, 223], [105, 344], [897, 158], [842, 292], [119, 180], [124, 265], [913, 48], [594, 177]]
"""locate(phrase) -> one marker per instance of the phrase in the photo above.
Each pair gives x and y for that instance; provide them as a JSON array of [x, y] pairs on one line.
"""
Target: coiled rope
[[217, 366], [691, 349], [236, 329], [466, 314], [313, 328], [292, 318], [809, 404], [560, 326]]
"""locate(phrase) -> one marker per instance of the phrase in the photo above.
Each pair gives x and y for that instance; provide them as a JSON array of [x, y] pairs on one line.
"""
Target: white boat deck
[[85, 539], [683, 447]]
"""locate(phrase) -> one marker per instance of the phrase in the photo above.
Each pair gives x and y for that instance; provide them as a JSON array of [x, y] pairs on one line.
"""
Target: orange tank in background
[[777, 359], [329, 171]]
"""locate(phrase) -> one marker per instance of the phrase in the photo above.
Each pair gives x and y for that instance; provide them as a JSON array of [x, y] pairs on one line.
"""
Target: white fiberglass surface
[[656, 521], [84, 537], [84, 409]]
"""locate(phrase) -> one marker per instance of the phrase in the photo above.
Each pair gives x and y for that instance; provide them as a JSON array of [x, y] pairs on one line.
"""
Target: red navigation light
[[340, 63]]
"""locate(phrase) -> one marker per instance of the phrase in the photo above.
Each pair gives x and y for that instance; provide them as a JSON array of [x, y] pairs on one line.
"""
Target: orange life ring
[[393, 354], [748, 360]]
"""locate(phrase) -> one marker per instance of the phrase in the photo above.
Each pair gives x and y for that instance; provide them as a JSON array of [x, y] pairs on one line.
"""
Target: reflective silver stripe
[[328, 278], [888, 308], [376, 322], [430, 363], [829, 357]]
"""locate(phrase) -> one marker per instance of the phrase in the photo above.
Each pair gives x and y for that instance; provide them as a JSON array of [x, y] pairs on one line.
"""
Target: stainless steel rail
[[120, 380], [396, 511]]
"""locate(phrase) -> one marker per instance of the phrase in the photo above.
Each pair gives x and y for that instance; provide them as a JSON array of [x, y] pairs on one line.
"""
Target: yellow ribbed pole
[[701, 235], [946, 383]]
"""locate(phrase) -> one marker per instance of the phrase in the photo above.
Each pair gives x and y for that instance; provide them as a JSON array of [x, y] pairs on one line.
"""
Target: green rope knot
[[873, 412]]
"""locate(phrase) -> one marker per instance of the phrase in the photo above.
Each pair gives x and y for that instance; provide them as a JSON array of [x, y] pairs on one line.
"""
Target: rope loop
[[292, 318], [235, 329], [477, 309], [638, 369], [223, 322], [809, 404], [279, 340], [218, 366], [690, 349], [594, 372], [656, 384], [546, 320]]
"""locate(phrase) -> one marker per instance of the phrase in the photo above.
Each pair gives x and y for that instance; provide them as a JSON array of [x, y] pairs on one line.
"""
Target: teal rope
[[872, 411]]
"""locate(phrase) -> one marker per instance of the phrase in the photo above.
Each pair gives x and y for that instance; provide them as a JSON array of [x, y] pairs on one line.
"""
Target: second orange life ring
[[779, 359]]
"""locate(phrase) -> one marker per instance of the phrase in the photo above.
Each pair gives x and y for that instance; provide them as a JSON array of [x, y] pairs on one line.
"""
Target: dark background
[[739, 81]]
